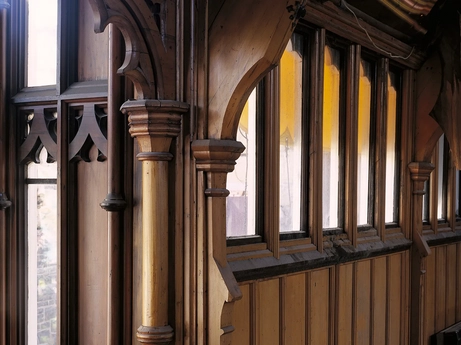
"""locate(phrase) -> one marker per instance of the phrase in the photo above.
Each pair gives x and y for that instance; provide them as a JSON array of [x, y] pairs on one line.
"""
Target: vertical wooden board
[[394, 296], [92, 256], [93, 49], [294, 309], [450, 305], [319, 300], [362, 303], [378, 303], [344, 301], [458, 281], [267, 312], [440, 288], [429, 303], [241, 318]]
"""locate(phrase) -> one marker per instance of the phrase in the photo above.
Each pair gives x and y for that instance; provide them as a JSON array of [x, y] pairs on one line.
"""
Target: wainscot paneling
[[363, 302]]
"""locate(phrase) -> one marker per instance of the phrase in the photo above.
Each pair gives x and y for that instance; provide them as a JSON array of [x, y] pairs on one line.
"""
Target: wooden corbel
[[420, 172], [154, 123], [217, 158]]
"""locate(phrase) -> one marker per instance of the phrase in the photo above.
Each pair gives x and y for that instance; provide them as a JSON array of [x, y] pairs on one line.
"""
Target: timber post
[[217, 158], [154, 123], [420, 172]]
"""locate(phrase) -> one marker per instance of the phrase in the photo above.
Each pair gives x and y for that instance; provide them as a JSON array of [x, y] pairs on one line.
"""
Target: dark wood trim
[[380, 153], [315, 138]]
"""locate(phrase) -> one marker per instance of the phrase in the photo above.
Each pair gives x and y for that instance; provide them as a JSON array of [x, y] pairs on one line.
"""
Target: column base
[[155, 335]]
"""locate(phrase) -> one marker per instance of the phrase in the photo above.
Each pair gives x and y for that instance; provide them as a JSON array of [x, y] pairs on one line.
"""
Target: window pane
[[426, 202], [42, 254], [42, 21], [291, 67], [391, 173], [241, 183], [331, 99], [457, 211], [440, 173], [363, 142]]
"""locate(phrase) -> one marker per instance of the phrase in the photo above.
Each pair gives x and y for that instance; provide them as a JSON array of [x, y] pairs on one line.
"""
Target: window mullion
[[451, 192], [315, 141], [350, 200], [272, 162], [380, 153]]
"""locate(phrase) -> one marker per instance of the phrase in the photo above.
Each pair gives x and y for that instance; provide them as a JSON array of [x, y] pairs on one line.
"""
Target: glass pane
[[440, 153], [391, 202], [291, 67], [241, 183], [426, 202], [42, 21], [457, 194], [331, 99], [42, 256], [363, 143]]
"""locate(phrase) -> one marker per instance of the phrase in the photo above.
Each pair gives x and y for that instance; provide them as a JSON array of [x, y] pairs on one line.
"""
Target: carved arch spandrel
[[246, 39], [428, 86], [149, 32]]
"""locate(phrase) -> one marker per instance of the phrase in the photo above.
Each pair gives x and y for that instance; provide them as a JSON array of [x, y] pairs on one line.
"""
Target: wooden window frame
[[269, 242], [65, 93]]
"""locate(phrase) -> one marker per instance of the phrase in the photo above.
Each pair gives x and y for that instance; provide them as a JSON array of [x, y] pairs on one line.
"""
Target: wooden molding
[[420, 173]]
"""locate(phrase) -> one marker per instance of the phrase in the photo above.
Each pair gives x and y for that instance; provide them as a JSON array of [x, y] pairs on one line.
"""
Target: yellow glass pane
[[291, 65], [391, 148], [331, 103], [363, 142]]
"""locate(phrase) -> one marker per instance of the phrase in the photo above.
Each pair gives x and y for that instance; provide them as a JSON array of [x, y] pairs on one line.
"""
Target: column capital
[[154, 123], [420, 173]]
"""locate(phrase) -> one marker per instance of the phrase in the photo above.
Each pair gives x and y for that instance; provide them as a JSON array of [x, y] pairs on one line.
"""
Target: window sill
[[443, 237], [259, 265]]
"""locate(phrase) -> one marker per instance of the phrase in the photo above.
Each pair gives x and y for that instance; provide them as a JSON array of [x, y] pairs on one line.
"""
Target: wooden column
[[420, 172], [217, 158], [114, 202], [155, 123]]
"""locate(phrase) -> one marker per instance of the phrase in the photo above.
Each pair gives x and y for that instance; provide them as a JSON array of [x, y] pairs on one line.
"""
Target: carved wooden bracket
[[217, 158], [149, 31], [420, 172], [155, 123], [260, 27]]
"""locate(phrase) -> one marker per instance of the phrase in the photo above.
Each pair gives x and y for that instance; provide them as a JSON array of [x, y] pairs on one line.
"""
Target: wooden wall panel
[[294, 309], [241, 320], [440, 287], [443, 289], [268, 312], [379, 300], [429, 317], [450, 317], [363, 302], [362, 289], [458, 281], [92, 256], [318, 322], [394, 297], [93, 48], [344, 300]]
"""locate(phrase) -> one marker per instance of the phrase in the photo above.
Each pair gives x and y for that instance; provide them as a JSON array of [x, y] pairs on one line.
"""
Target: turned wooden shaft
[[155, 243]]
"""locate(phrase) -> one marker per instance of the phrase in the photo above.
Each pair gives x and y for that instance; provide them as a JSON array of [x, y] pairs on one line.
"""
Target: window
[[441, 200], [41, 178], [57, 112], [304, 124]]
